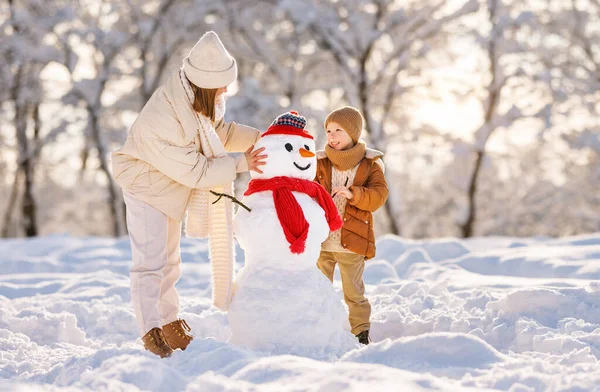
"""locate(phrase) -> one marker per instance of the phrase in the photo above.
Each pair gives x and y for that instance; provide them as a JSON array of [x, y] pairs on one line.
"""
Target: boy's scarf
[[289, 212], [346, 159], [214, 221]]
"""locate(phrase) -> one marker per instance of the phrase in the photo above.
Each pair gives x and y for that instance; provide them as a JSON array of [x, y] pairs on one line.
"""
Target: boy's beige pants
[[351, 267], [156, 266]]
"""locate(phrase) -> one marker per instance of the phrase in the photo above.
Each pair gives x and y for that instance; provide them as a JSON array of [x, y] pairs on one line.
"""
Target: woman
[[174, 156]]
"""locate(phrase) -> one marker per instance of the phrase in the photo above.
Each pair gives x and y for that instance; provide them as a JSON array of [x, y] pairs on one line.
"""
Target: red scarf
[[289, 212]]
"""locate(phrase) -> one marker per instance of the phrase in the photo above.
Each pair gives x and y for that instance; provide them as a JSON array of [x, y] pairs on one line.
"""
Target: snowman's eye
[[306, 147], [288, 147]]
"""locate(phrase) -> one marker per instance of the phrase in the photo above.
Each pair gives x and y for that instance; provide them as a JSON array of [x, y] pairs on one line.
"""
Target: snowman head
[[290, 149]]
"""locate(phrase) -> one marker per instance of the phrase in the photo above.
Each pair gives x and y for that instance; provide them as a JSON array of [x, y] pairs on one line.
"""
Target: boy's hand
[[254, 159], [343, 191]]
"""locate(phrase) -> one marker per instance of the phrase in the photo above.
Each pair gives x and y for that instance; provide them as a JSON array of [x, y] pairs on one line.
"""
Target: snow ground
[[488, 313]]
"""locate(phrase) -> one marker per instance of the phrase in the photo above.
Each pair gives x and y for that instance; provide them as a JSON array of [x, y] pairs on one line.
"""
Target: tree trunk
[[124, 216], [84, 155], [24, 160], [14, 95], [467, 227], [493, 96], [29, 209], [12, 201], [113, 200]]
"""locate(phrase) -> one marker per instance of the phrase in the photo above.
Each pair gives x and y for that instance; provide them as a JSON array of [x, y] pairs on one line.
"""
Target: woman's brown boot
[[178, 334], [155, 342]]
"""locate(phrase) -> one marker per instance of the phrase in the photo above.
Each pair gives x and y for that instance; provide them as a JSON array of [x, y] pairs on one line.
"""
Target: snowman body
[[282, 303]]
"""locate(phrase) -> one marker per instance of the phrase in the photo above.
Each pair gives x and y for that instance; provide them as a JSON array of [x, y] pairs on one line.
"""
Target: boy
[[353, 174]]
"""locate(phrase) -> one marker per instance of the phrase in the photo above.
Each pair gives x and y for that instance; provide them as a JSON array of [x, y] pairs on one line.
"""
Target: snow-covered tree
[[104, 30], [514, 69], [30, 40], [376, 47], [523, 74]]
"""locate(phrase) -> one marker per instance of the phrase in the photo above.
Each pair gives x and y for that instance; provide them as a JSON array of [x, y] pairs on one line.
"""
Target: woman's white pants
[[156, 266]]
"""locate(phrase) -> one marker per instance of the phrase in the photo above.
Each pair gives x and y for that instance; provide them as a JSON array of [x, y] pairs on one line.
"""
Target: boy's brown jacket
[[370, 192]]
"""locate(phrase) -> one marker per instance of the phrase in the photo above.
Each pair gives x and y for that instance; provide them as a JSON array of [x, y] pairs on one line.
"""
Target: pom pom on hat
[[290, 123], [209, 64]]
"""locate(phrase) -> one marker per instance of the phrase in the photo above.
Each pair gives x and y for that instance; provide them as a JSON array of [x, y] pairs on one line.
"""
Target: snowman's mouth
[[300, 167]]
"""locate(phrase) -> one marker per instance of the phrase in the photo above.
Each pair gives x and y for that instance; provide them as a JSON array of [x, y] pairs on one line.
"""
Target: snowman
[[282, 303]]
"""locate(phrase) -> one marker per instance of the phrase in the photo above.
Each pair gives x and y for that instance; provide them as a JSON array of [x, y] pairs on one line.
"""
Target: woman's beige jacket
[[162, 161]]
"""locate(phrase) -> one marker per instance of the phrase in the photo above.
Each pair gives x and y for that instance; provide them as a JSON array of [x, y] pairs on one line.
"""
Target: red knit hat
[[290, 123]]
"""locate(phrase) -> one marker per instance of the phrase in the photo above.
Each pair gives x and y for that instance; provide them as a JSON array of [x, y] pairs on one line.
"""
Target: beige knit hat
[[350, 119], [209, 64]]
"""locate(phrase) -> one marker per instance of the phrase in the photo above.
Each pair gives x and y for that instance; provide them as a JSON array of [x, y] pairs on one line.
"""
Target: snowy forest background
[[487, 111]]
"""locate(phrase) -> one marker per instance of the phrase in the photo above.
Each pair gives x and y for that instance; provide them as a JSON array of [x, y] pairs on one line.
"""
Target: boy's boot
[[155, 342], [363, 337], [178, 334]]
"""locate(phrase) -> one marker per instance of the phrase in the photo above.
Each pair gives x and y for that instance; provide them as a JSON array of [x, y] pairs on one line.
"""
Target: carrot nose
[[306, 154]]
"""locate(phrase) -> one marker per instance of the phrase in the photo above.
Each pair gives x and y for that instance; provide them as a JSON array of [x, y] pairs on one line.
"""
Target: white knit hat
[[209, 64]]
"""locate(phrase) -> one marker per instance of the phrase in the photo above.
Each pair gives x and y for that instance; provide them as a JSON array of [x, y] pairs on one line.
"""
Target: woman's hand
[[254, 159], [342, 190]]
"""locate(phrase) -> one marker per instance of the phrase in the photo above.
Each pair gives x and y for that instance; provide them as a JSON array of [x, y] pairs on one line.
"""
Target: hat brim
[[286, 130], [210, 79]]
